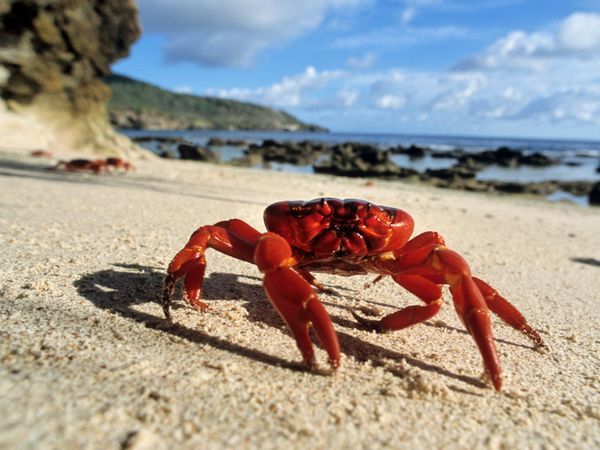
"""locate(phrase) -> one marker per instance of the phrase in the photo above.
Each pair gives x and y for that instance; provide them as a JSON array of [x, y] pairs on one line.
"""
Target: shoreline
[[571, 176]]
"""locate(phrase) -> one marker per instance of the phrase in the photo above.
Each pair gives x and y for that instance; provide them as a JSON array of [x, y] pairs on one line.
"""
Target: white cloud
[[566, 93], [569, 96], [391, 101], [580, 34], [413, 6], [362, 62], [569, 105], [576, 37], [232, 32], [293, 91], [348, 97], [408, 14], [461, 89], [401, 35]]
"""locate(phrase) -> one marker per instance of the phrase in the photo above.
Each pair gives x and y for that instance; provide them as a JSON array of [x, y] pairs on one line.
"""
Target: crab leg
[[426, 256], [507, 312], [294, 299], [429, 292], [232, 237]]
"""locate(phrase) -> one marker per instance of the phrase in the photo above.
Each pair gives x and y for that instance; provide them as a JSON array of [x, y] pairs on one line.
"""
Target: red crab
[[41, 154], [82, 165], [347, 237], [118, 163]]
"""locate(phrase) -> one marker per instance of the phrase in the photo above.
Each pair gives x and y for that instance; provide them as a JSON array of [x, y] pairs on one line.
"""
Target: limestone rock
[[53, 54]]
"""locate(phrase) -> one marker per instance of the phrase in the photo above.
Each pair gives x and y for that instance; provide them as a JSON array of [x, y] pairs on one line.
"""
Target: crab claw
[[295, 300]]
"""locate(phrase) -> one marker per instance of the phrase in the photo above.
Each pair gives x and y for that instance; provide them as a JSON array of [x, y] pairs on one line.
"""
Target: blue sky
[[528, 68]]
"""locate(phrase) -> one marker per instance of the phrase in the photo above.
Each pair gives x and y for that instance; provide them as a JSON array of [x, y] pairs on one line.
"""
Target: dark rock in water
[[536, 159], [594, 195], [579, 188], [469, 165], [448, 154], [236, 143], [248, 160], [510, 187], [53, 55], [163, 139], [168, 154], [507, 157], [504, 157], [302, 153], [216, 142], [362, 160], [413, 151], [573, 163], [598, 169], [451, 173], [197, 153]]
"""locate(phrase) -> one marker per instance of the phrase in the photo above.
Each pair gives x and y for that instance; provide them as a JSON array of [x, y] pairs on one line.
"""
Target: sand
[[87, 360]]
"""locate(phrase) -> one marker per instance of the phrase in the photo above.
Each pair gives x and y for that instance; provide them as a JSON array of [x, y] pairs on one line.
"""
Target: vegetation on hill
[[135, 104]]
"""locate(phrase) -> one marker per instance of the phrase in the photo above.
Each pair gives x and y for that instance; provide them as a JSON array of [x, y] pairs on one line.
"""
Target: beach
[[88, 361]]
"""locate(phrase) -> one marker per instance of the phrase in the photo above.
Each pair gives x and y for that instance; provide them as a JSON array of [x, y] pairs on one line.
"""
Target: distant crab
[[119, 163], [347, 237], [41, 154], [82, 165]]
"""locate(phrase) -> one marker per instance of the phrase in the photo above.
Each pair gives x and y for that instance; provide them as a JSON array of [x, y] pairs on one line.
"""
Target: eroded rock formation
[[52, 56]]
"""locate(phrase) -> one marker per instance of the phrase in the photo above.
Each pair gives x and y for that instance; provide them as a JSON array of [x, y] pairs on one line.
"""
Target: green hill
[[135, 104]]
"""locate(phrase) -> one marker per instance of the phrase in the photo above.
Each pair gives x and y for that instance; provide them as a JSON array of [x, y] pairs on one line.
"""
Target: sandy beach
[[87, 360]]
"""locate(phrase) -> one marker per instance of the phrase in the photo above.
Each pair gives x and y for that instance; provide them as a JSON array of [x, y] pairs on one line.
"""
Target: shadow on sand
[[119, 290], [588, 261]]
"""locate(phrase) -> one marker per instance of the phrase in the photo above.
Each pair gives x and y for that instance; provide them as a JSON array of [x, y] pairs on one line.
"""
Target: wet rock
[[579, 188], [413, 151], [168, 154], [510, 187], [507, 157], [451, 173], [236, 143], [248, 160], [362, 160], [163, 139], [216, 142], [504, 157], [536, 159], [448, 154], [197, 153], [302, 153], [594, 195]]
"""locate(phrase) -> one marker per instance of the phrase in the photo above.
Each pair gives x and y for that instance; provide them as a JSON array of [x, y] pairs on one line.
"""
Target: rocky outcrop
[[507, 157], [197, 153], [53, 54], [594, 194], [362, 160]]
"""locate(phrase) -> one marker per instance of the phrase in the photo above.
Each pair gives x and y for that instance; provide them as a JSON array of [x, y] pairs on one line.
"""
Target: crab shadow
[[123, 289], [588, 261]]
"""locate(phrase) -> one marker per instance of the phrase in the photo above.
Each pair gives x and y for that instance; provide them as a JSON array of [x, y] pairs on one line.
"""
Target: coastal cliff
[[139, 105], [53, 56]]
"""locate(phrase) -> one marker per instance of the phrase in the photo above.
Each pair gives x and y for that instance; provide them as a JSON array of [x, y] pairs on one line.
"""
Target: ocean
[[579, 159]]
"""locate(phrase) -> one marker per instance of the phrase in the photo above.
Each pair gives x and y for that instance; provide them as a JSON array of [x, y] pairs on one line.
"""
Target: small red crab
[[82, 165], [347, 237], [119, 163]]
